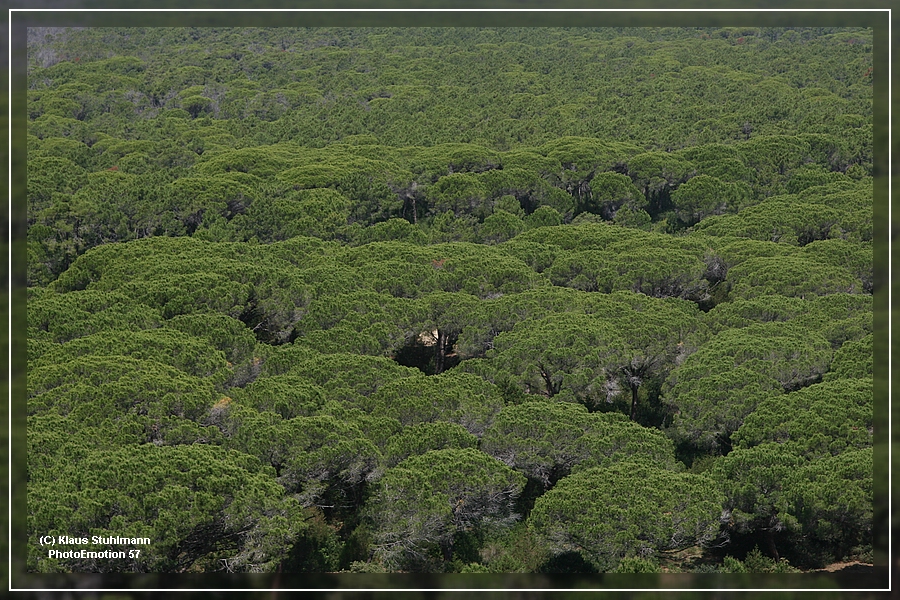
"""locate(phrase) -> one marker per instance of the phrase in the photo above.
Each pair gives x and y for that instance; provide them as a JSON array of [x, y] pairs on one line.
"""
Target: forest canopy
[[451, 299]]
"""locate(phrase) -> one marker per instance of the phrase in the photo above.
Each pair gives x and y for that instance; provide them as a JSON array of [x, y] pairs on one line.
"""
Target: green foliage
[[509, 203], [317, 548], [501, 226], [601, 257], [425, 500], [53, 173], [448, 228], [629, 509], [182, 276], [733, 251], [836, 317], [345, 377], [821, 420], [197, 505], [222, 332], [832, 501], [196, 105], [261, 162], [445, 159], [311, 456], [595, 356], [856, 258], [732, 565], [840, 317], [709, 408], [460, 193], [164, 346], [318, 213], [544, 216], [392, 229], [287, 395], [854, 359], [716, 387], [454, 397], [594, 272], [50, 436], [610, 192], [772, 158], [700, 197], [790, 276], [407, 270], [238, 238], [654, 173], [757, 484], [756, 562], [63, 317], [636, 219], [423, 437], [95, 387], [800, 219], [637, 565], [515, 550], [764, 309], [332, 320], [546, 440], [489, 318]]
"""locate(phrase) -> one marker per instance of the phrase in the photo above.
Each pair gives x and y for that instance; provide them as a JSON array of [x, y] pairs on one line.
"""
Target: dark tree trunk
[[634, 399], [551, 389], [770, 540], [440, 351], [447, 549]]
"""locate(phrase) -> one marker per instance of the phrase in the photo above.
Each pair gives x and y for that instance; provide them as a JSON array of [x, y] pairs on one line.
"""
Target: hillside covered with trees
[[451, 299]]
